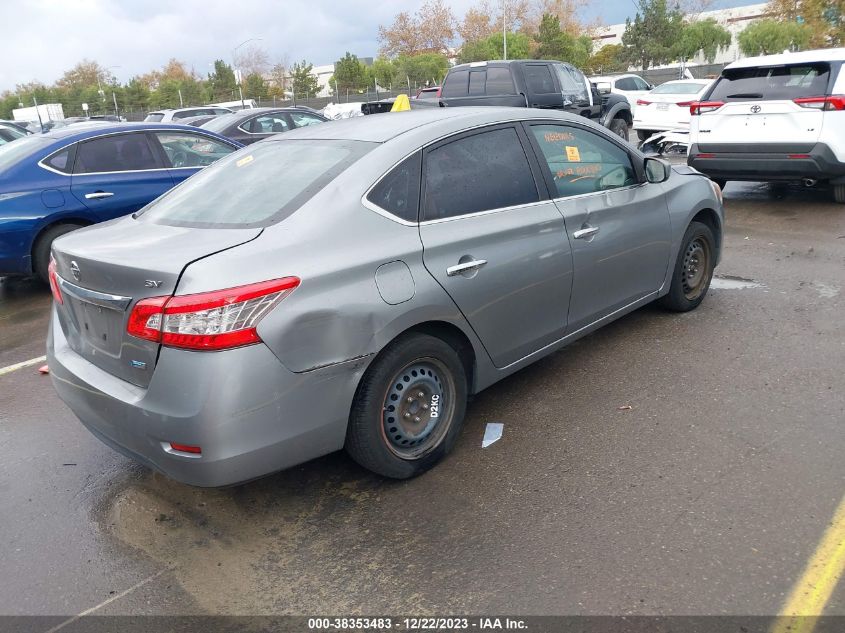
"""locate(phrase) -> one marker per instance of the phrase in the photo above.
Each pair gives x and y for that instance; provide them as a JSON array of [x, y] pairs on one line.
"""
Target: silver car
[[349, 285]]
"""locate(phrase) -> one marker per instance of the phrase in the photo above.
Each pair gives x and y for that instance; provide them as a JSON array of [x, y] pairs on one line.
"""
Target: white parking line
[[21, 365], [117, 596]]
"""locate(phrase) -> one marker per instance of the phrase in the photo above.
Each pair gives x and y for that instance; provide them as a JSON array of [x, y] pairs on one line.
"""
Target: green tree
[[824, 19], [136, 95], [608, 59], [222, 81], [705, 36], [555, 43], [771, 36], [350, 74], [421, 69], [255, 87], [492, 47], [651, 39], [384, 72], [303, 83]]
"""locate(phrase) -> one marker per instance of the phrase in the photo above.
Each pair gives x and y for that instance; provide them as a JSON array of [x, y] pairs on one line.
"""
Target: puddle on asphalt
[[730, 282]]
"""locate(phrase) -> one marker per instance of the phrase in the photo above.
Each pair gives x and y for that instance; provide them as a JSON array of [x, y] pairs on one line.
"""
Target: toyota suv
[[778, 117]]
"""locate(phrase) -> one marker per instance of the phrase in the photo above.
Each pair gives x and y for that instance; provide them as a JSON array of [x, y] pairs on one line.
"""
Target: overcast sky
[[43, 38]]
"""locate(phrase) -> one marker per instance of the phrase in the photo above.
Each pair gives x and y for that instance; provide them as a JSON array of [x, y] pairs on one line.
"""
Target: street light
[[235, 50]]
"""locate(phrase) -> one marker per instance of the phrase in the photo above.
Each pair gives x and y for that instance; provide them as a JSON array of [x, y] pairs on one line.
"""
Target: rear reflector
[[833, 102], [798, 156], [700, 107], [210, 320], [186, 448], [54, 282], [705, 156]]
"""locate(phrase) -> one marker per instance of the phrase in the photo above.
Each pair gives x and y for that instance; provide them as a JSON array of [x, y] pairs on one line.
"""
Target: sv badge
[[152, 283]]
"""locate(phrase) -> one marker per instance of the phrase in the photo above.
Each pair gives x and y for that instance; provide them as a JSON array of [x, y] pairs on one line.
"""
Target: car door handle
[[98, 194], [462, 268], [587, 231]]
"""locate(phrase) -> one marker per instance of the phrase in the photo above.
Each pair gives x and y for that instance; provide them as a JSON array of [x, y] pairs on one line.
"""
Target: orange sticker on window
[[572, 154]]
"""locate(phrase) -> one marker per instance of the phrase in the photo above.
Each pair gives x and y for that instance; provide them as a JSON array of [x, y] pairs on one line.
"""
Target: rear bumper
[[760, 162], [249, 414]]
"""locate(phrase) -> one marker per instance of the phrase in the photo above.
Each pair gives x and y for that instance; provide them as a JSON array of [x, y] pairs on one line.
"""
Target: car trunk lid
[[103, 273]]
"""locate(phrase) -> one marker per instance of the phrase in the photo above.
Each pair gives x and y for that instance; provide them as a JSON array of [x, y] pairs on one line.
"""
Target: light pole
[[234, 62], [505, 29]]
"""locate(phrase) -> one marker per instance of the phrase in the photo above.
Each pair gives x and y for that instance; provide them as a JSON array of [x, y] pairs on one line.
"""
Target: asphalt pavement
[[666, 464]]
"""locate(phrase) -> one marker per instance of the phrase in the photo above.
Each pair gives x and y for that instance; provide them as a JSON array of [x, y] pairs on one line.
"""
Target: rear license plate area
[[100, 327], [662, 106]]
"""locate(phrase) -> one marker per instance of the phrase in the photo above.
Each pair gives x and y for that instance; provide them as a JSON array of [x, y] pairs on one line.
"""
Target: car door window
[[476, 82], [184, 149], [538, 78], [455, 84], [581, 161], [303, 119], [399, 191], [625, 84], [572, 84], [267, 124], [639, 84], [476, 173], [499, 81], [117, 152]]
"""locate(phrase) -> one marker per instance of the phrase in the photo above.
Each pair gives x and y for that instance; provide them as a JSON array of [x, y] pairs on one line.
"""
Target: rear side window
[[61, 161], [499, 81], [538, 78], [256, 186], [118, 152], [154, 117], [678, 89], [476, 82], [455, 84], [626, 83], [399, 191], [477, 173], [772, 82]]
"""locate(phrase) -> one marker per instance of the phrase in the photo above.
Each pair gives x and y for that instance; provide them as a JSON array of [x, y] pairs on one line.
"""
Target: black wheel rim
[[695, 275], [418, 408]]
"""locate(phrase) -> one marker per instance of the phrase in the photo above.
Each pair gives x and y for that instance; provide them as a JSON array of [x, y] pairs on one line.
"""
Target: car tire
[[644, 135], [41, 250], [839, 193], [619, 126], [693, 269], [392, 430]]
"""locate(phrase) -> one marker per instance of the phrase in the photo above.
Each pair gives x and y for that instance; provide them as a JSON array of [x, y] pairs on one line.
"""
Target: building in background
[[734, 20]]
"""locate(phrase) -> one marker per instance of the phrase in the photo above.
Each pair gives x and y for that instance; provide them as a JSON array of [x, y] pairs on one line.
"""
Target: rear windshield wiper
[[745, 95]]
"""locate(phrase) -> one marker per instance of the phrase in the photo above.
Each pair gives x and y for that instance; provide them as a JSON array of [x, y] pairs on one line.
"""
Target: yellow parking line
[[812, 592], [26, 363]]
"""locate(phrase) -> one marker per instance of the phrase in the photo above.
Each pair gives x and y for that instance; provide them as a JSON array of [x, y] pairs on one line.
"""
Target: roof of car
[[380, 128], [825, 55], [94, 128], [611, 77]]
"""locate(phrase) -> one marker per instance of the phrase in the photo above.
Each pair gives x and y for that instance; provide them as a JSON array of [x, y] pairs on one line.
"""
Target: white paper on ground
[[492, 433]]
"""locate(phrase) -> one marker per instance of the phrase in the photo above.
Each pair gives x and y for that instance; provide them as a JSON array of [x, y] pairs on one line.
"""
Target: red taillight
[[684, 104], [54, 281], [833, 102], [643, 102], [700, 107], [210, 320], [186, 448]]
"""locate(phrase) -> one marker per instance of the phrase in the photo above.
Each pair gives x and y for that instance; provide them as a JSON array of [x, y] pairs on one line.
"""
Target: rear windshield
[[220, 123], [11, 153], [154, 117], [772, 82], [678, 89], [256, 186]]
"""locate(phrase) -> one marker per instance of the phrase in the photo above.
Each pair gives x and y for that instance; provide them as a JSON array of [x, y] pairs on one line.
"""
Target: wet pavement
[[671, 464]]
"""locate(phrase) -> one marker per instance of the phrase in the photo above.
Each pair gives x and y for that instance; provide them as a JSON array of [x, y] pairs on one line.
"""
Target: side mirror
[[603, 88], [657, 170]]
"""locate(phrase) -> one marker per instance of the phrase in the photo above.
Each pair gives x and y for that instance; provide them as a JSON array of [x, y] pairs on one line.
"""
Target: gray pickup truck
[[535, 83]]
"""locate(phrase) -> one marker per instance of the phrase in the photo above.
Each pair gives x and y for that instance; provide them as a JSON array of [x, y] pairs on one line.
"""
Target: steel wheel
[[696, 268], [417, 408]]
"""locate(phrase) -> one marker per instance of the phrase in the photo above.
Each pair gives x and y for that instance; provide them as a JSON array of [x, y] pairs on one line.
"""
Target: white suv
[[632, 87], [778, 117]]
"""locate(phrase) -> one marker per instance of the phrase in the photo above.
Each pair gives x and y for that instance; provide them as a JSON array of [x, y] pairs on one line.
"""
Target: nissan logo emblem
[[755, 109], [74, 270]]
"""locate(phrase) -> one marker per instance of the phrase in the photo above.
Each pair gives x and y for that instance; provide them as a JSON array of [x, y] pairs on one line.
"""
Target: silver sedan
[[349, 285]]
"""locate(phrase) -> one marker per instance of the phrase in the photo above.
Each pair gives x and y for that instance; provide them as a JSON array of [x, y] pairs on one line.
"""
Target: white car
[[667, 107], [632, 87], [168, 116], [777, 117]]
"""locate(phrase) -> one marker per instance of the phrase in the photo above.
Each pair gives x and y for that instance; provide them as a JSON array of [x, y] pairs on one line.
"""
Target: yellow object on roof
[[402, 104]]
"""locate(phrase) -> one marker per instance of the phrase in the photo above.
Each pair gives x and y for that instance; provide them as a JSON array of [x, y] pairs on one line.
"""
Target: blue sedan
[[74, 176]]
